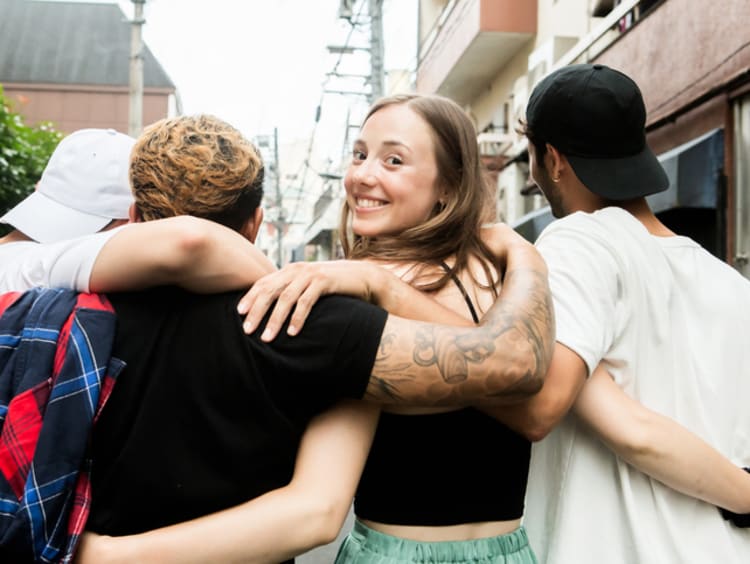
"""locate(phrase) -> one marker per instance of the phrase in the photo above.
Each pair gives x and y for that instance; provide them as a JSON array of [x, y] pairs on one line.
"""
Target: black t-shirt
[[205, 417]]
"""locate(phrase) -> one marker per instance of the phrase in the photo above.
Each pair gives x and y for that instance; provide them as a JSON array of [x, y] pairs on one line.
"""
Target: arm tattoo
[[506, 356]]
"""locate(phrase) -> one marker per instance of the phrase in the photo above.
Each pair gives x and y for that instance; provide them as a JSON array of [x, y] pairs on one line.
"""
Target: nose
[[364, 173]]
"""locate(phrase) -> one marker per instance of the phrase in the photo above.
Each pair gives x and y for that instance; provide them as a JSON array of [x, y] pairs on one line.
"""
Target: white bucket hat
[[83, 188]]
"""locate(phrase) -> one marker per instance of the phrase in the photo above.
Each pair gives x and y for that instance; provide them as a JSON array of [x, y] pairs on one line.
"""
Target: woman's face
[[391, 184]]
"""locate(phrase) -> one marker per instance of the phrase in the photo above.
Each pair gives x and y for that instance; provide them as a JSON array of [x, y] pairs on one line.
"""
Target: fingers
[[258, 300], [288, 299], [303, 307], [296, 288]]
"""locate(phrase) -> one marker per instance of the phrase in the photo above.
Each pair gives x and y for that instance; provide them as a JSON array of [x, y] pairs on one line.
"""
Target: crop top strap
[[460, 286]]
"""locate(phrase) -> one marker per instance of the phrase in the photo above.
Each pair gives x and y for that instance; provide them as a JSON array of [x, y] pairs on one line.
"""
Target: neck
[[639, 209], [13, 237]]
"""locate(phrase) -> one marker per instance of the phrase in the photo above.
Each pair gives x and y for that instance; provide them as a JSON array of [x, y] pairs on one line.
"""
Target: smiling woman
[[415, 188], [391, 183], [416, 200]]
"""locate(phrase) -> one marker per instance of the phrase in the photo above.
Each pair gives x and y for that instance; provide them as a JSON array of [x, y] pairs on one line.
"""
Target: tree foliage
[[24, 152]]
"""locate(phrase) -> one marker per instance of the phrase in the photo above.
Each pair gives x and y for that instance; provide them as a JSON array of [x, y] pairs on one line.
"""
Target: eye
[[358, 155], [394, 160]]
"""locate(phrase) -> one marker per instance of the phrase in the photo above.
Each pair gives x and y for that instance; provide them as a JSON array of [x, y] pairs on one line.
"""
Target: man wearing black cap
[[661, 318]]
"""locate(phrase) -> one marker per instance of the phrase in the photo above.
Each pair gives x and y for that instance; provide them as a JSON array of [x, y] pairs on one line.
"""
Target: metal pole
[[135, 117], [281, 219], [376, 49]]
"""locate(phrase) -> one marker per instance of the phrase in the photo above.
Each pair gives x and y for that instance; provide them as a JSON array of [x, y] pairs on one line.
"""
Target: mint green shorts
[[367, 546]]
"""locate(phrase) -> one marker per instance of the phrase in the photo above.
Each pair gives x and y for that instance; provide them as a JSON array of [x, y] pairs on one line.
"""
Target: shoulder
[[345, 310], [153, 302], [593, 226], [22, 265], [596, 239], [9, 250]]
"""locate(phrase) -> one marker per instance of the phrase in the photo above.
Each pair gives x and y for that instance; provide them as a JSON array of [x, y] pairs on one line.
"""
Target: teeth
[[367, 203]]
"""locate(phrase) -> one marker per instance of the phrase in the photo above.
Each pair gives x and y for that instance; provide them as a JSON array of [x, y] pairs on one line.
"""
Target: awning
[[694, 170]]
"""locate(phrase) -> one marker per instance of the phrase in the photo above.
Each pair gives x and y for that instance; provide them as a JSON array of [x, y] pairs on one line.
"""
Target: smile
[[368, 203]]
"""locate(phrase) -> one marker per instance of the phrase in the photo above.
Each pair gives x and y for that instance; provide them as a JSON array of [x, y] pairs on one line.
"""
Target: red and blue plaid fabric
[[55, 376]]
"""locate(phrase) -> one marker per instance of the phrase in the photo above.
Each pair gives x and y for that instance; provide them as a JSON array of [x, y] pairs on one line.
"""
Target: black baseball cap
[[596, 117]]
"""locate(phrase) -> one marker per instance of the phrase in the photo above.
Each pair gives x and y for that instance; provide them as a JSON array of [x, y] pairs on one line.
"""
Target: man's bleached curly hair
[[199, 166]]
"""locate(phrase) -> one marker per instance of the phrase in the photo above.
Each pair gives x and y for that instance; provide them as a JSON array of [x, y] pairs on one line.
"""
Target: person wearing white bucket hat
[[84, 188], [69, 232]]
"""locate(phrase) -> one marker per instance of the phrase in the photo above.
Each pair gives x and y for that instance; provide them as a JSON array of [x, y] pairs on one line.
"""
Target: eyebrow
[[387, 142]]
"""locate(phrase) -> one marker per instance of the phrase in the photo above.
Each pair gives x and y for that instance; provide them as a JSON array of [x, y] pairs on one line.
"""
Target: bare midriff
[[465, 531]]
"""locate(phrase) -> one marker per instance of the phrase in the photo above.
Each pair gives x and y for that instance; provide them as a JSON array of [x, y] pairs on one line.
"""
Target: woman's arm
[[194, 253], [660, 447], [276, 526], [299, 285]]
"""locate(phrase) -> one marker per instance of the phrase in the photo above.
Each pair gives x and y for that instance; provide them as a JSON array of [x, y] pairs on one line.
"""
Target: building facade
[[692, 63], [68, 63]]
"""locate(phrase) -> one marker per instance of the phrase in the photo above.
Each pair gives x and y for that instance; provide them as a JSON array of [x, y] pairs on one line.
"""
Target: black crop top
[[443, 469]]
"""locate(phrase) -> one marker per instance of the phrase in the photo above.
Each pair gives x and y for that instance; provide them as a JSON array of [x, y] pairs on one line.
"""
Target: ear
[[555, 162], [252, 225], [133, 214], [442, 197]]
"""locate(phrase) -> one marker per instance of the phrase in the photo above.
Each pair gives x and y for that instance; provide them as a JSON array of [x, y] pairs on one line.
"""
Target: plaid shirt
[[55, 375]]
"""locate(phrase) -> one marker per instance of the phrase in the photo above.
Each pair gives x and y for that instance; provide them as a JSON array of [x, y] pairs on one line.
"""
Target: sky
[[260, 64]]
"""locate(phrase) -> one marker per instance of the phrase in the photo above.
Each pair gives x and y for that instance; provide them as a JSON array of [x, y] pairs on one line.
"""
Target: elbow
[[537, 431], [541, 415], [327, 517], [193, 235], [191, 239], [536, 427]]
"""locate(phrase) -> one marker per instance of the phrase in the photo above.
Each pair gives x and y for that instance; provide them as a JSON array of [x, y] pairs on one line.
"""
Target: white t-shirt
[[64, 264], [670, 322]]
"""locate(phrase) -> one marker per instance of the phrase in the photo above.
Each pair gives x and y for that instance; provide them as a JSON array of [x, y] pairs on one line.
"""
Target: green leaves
[[24, 152]]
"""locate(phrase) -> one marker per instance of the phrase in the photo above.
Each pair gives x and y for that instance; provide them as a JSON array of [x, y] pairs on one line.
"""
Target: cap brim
[[47, 221], [622, 178]]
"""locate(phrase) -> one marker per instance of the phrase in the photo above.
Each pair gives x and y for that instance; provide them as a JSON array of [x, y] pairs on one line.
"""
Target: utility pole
[[375, 49], [377, 88], [135, 117], [280, 222]]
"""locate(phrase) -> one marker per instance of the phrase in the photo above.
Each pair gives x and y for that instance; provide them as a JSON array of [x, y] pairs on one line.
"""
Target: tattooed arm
[[418, 363], [537, 416], [504, 358]]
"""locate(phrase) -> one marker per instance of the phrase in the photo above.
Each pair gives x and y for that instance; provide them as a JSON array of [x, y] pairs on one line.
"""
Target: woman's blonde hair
[[199, 166], [453, 228]]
